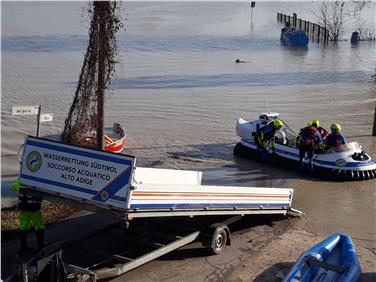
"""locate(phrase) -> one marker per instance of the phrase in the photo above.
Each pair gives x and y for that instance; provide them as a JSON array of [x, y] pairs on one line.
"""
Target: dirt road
[[261, 250]]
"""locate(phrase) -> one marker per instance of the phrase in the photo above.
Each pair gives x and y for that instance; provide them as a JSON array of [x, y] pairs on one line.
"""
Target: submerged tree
[[86, 114], [334, 14]]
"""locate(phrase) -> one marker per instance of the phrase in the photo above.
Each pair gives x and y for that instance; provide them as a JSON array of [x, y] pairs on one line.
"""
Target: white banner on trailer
[[99, 177]]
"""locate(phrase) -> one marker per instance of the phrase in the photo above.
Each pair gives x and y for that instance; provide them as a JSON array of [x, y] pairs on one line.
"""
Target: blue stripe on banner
[[123, 201], [114, 186], [201, 205], [119, 198], [349, 164], [79, 152], [63, 185]]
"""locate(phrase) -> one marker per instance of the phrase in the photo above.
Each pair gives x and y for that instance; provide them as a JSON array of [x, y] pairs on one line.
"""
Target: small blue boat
[[333, 259], [292, 37]]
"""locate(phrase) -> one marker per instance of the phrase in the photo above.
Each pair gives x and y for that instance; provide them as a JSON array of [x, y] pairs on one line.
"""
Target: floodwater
[[179, 92]]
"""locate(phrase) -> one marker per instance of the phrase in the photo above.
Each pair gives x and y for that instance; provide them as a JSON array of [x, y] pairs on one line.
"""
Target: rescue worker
[[308, 138], [334, 139], [29, 216], [323, 132], [265, 137]]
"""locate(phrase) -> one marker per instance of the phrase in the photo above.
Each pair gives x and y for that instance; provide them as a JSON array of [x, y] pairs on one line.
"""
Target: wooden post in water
[[294, 16], [101, 72], [326, 33], [318, 33]]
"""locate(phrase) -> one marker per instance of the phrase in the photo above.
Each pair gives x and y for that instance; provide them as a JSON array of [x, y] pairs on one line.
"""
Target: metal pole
[[38, 119], [101, 6]]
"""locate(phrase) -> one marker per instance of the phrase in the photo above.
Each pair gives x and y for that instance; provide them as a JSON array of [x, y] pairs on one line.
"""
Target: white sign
[[46, 117], [24, 110], [99, 177]]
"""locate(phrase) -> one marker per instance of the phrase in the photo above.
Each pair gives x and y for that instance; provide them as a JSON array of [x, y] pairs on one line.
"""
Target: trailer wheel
[[219, 241]]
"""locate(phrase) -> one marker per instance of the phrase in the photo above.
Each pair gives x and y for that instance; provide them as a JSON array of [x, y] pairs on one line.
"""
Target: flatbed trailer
[[111, 183], [113, 250]]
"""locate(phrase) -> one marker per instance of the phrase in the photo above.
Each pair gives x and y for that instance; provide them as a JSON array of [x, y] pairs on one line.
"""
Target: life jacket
[[28, 203], [324, 133], [308, 136], [334, 141]]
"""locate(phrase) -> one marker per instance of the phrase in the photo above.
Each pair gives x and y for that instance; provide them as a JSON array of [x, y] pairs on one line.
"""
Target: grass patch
[[51, 212]]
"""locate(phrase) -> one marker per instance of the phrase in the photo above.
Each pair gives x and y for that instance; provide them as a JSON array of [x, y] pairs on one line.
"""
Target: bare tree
[[332, 18], [366, 30], [86, 114], [334, 14]]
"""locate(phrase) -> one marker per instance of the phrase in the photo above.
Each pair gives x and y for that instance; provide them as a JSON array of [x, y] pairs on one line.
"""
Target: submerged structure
[[293, 37]]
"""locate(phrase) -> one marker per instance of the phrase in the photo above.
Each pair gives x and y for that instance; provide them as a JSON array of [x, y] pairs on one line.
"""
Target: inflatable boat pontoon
[[348, 162], [333, 259]]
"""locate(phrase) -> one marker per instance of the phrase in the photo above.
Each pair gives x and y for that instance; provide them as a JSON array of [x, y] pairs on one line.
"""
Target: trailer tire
[[219, 241]]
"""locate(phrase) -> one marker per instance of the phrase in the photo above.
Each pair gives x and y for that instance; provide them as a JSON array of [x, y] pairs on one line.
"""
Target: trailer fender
[[216, 237]]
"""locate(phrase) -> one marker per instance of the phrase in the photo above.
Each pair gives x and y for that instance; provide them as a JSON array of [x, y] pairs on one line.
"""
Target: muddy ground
[[262, 249], [263, 252]]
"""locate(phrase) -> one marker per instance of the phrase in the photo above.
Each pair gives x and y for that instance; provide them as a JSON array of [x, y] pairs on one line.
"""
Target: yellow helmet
[[335, 127], [315, 121], [277, 123]]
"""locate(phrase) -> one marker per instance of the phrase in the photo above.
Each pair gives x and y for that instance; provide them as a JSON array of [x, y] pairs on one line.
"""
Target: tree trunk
[[100, 5]]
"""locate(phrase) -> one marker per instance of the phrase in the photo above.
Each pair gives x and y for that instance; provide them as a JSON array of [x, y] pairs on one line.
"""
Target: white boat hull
[[337, 165]]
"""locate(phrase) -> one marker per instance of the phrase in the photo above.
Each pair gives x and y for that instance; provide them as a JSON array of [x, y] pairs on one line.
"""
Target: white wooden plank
[[157, 176]]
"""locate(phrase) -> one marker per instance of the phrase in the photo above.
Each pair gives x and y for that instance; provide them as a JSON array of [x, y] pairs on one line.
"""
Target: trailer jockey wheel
[[219, 241]]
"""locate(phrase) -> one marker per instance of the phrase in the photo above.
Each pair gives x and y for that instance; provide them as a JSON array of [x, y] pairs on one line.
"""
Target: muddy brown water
[[178, 92]]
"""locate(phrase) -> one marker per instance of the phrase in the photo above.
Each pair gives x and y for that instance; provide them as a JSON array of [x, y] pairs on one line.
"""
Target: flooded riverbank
[[178, 92]]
